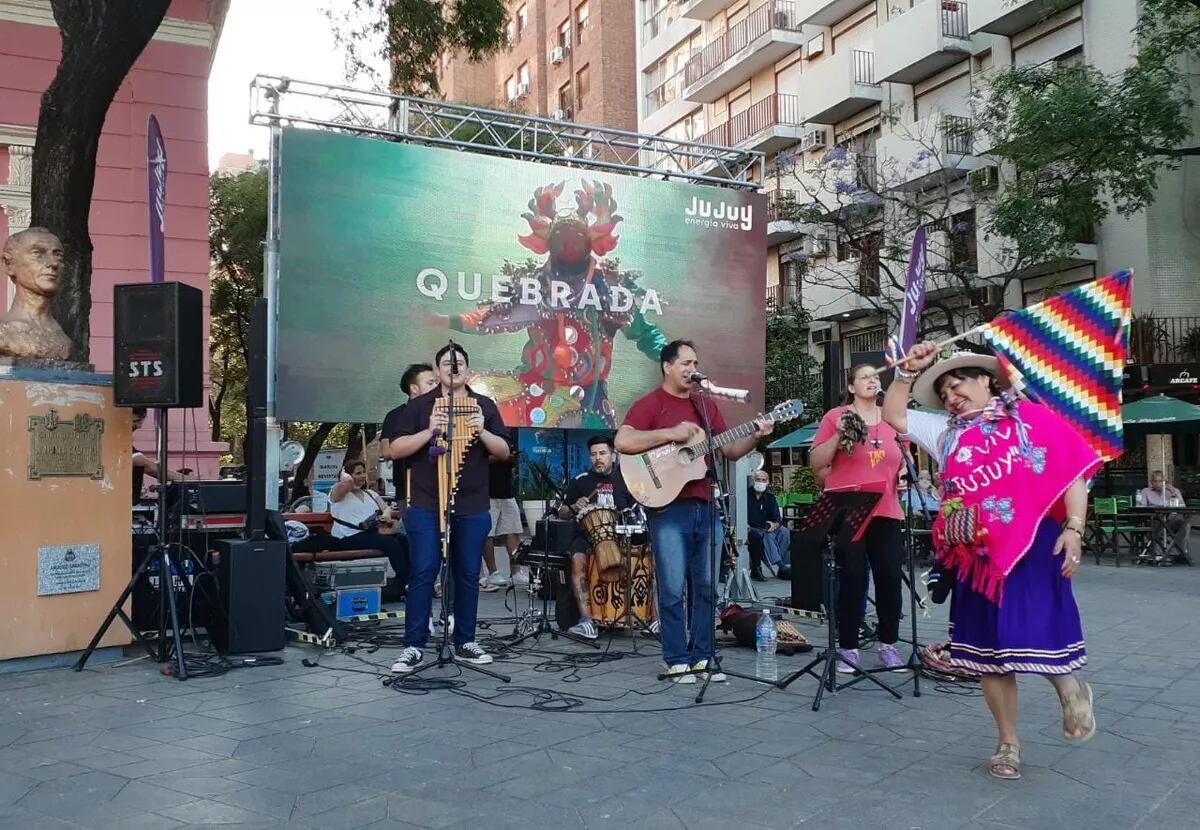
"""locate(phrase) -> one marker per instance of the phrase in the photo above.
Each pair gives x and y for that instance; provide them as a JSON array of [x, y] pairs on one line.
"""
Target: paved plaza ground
[[331, 747]]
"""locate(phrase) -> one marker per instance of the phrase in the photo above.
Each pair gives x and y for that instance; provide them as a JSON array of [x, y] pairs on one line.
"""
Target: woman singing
[[1014, 476], [860, 448]]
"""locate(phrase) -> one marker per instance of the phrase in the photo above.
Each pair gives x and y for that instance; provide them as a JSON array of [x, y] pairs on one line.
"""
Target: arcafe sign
[[1175, 375]]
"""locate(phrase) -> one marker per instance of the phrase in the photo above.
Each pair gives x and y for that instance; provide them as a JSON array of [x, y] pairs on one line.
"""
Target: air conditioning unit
[[984, 178], [563, 114], [522, 90], [558, 54], [816, 46], [816, 246], [813, 140], [822, 336]]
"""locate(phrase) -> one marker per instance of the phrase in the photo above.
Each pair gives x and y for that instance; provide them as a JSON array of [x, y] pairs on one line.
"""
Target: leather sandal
[[1079, 712], [1006, 763]]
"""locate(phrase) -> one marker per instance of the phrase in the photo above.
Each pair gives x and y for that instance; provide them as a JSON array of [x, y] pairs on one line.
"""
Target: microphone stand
[[914, 659], [718, 491], [445, 652]]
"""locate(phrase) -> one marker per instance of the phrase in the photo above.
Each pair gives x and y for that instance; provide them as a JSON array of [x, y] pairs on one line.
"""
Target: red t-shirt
[[878, 460], [662, 410]]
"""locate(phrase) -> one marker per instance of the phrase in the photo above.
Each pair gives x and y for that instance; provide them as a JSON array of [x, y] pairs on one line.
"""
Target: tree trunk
[[101, 40], [310, 457], [215, 403]]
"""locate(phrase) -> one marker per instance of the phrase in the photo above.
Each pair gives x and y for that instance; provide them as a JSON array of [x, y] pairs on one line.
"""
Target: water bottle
[[766, 638]]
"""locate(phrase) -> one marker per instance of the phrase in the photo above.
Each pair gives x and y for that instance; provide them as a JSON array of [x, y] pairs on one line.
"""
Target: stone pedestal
[[65, 491]]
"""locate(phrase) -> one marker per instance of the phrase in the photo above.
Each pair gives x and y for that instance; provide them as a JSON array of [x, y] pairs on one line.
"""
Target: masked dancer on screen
[[562, 378]]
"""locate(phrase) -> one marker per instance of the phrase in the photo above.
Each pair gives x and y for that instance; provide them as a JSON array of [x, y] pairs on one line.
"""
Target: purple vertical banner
[[914, 293], [156, 178]]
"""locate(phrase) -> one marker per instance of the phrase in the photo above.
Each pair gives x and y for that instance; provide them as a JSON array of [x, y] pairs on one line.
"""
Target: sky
[[274, 37]]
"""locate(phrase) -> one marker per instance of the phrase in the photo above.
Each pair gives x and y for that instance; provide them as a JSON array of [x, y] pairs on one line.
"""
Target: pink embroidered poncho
[[1003, 475]]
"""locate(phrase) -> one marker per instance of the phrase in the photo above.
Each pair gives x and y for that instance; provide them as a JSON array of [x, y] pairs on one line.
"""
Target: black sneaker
[[472, 653], [408, 660]]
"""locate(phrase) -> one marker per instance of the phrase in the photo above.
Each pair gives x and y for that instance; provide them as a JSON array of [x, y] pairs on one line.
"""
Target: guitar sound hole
[[686, 456]]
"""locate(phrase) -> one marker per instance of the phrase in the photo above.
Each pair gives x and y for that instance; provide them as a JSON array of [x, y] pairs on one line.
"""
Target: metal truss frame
[[277, 101]]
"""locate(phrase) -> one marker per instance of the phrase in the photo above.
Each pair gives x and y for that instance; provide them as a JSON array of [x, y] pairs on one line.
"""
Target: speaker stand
[[166, 581]]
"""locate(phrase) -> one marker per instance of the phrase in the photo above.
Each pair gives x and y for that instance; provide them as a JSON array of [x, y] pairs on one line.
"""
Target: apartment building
[[876, 96], [566, 59]]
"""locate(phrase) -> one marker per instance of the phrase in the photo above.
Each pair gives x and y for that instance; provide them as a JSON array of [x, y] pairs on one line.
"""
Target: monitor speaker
[[250, 578], [158, 345]]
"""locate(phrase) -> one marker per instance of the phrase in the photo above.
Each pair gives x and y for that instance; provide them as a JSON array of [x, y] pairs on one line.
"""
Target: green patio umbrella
[[1158, 415], [797, 438]]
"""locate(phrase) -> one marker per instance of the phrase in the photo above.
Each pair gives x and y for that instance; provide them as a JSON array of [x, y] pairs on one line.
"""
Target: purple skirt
[[1035, 630]]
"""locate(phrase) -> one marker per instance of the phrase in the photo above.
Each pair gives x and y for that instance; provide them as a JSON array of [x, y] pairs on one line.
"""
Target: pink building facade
[[170, 81]]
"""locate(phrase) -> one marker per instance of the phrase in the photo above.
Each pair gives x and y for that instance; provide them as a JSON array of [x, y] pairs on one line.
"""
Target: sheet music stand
[[838, 513]]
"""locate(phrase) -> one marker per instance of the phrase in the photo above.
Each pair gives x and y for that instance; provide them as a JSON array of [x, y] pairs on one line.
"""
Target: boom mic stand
[[445, 652], [714, 562]]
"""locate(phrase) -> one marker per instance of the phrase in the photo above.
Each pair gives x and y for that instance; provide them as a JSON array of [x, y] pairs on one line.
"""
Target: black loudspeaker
[[250, 576], [256, 422], [158, 345]]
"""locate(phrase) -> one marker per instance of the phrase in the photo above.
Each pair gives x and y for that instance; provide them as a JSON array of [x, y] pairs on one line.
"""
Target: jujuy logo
[[730, 215]]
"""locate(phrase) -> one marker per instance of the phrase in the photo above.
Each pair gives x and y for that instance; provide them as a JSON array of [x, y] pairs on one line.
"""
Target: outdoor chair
[[1109, 529]]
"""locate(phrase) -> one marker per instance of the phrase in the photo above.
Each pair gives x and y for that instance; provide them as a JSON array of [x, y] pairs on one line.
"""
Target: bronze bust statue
[[32, 259]]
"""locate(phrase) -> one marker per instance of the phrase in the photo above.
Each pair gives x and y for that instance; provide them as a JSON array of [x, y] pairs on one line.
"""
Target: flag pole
[[940, 345]]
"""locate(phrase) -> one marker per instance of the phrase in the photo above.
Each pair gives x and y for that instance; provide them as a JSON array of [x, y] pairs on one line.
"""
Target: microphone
[[453, 358], [739, 395], [695, 377]]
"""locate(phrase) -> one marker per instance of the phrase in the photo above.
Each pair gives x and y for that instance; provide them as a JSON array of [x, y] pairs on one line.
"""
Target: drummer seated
[[601, 486], [1161, 494]]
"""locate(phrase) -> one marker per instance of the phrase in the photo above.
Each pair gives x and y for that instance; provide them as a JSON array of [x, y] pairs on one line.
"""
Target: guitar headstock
[[787, 410]]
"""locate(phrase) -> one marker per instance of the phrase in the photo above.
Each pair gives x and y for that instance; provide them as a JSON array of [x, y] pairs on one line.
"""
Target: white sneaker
[[678, 673], [409, 659], [486, 586], [497, 580], [521, 577], [702, 666]]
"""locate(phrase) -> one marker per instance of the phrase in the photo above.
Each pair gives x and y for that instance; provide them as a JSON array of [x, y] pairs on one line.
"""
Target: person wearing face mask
[[769, 541], [1010, 530], [860, 448]]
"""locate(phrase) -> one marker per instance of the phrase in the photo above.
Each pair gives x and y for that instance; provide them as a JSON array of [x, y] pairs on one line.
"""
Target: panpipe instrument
[[461, 411]]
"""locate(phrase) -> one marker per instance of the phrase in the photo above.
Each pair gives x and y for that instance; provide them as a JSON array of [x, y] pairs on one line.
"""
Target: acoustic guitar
[[656, 477]]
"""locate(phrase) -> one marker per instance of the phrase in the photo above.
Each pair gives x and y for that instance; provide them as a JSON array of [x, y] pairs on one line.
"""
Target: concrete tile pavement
[[332, 747]]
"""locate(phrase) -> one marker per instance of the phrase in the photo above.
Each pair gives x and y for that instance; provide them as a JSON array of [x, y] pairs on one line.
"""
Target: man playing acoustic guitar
[[680, 531]]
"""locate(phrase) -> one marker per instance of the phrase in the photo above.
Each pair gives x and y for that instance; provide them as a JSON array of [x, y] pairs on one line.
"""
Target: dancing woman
[[1014, 475], [860, 447]]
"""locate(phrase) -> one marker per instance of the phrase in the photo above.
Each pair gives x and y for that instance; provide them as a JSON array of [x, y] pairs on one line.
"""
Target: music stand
[[838, 513]]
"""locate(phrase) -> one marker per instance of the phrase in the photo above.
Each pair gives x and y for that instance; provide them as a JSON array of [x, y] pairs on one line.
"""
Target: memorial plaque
[[68, 569], [60, 449]]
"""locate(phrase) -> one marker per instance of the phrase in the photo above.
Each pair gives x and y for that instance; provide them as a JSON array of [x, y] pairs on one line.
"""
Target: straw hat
[[923, 390]]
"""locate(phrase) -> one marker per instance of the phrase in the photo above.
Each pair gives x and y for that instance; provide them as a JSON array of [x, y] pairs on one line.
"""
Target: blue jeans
[[680, 535], [776, 545], [424, 552]]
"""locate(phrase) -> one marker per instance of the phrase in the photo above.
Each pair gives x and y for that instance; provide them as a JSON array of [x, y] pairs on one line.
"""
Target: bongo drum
[[606, 590], [599, 525]]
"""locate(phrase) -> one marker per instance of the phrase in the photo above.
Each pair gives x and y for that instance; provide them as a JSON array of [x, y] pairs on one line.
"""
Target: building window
[[510, 32], [522, 19], [581, 24], [657, 15], [510, 88], [582, 87], [664, 79], [523, 77], [564, 100], [564, 34]]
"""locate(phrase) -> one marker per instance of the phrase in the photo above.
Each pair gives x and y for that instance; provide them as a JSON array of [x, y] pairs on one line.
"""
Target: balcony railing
[[774, 14], [1164, 340], [782, 295], [863, 67], [761, 115], [785, 206], [661, 19], [954, 19]]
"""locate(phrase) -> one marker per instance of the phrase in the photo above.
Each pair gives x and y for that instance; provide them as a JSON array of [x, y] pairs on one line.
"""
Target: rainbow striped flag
[[1068, 353]]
